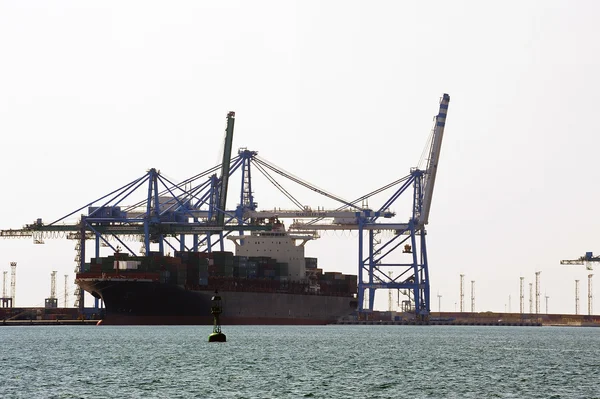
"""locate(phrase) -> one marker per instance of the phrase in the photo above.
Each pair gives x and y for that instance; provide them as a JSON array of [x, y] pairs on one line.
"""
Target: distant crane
[[586, 260]]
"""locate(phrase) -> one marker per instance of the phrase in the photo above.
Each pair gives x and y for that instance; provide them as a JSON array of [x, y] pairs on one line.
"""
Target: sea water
[[341, 361]]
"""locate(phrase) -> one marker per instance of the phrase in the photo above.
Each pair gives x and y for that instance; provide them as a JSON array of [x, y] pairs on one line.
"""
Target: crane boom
[[586, 260], [225, 168], [434, 157], [572, 262]]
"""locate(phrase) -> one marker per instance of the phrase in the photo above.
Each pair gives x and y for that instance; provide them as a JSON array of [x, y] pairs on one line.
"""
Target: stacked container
[[282, 270], [240, 266], [311, 263], [252, 269]]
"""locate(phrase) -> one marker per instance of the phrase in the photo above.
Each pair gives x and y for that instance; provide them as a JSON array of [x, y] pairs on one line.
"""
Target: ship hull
[[129, 302]]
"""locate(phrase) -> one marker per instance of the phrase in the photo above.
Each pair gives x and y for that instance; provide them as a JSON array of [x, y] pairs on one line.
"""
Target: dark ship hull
[[150, 302], [177, 290]]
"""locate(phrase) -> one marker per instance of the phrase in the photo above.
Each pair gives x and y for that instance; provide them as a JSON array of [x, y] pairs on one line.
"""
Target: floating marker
[[216, 309]]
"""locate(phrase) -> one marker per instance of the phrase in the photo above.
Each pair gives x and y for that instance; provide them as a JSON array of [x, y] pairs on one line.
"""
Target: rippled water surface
[[300, 362]]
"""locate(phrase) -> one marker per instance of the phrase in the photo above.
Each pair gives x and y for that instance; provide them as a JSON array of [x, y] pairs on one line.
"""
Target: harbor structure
[[192, 216]]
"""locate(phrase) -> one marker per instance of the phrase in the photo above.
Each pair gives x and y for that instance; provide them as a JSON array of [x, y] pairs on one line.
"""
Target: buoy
[[216, 309]]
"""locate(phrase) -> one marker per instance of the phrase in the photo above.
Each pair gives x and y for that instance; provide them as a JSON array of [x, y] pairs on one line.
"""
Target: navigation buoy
[[216, 309]]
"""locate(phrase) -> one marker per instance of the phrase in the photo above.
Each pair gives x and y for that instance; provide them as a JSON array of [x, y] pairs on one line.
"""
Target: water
[[300, 362]]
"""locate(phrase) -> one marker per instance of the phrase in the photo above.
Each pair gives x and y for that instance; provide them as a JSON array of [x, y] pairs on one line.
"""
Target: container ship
[[268, 280]]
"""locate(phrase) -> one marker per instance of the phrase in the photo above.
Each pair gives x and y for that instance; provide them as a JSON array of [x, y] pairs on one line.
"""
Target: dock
[[48, 322]]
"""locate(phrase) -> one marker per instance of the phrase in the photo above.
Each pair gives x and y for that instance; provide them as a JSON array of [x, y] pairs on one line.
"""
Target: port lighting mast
[[472, 296], [462, 292], [13, 282], [576, 296], [531, 298], [537, 292], [5, 302], [590, 295], [521, 296], [66, 291]]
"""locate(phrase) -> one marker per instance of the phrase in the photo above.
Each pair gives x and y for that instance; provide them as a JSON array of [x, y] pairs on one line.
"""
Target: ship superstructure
[[277, 244]]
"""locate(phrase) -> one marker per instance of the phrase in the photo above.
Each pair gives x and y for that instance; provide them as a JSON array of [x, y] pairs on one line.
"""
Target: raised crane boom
[[225, 165], [586, 260], [434, 157]]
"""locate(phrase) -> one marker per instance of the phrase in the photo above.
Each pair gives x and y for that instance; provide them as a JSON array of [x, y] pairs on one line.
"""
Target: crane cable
[[426, 153], [278, 186]]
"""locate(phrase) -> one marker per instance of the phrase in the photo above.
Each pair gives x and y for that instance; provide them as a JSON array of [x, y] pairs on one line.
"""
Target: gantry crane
[[373, 254], [586, 260], [160, 213], [164, 210]]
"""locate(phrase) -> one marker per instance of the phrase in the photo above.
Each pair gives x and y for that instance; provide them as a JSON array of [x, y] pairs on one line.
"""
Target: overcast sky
[[339, 93]]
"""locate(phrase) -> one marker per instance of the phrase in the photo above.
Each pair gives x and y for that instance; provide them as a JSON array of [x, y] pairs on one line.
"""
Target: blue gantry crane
[[192, 215], [374, 254]]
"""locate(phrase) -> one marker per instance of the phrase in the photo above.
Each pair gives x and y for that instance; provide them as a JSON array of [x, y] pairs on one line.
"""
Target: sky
[[339, 93]]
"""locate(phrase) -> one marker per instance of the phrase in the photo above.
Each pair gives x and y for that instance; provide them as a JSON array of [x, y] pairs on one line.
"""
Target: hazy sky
[[340, 93]]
